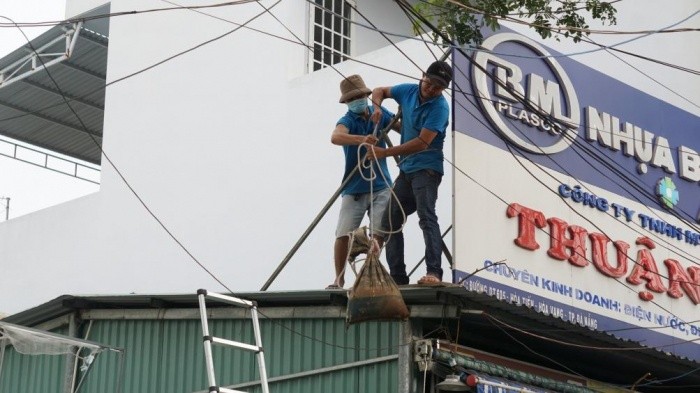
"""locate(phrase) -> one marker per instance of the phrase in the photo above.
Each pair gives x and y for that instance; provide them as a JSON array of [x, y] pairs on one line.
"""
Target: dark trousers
[[417, 192]]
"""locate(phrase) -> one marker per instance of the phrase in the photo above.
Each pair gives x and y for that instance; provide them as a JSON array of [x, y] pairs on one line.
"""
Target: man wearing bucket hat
[[352, 130], [425, 115]]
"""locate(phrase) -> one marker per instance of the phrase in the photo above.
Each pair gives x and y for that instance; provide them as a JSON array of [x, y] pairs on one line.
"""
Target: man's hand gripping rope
[[367, 162]]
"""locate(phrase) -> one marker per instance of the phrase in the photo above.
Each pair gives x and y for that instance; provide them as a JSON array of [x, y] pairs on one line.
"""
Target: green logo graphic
[[667, 192]]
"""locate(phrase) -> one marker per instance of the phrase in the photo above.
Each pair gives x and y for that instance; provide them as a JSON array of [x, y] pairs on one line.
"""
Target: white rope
[[364, 163], [371, 193]]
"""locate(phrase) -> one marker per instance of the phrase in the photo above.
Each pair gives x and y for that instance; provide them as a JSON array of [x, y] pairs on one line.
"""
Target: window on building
[[331, 32]]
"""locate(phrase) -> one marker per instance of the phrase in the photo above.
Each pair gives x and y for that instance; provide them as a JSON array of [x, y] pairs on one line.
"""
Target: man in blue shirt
[[424, 118], [355, 131]]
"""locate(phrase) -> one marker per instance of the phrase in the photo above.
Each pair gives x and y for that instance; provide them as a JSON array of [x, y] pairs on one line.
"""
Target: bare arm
[[378, 96], [413, 146], [341, 136]]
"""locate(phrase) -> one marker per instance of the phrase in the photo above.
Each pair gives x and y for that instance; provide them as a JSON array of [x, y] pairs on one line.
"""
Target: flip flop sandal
[[429, 279]]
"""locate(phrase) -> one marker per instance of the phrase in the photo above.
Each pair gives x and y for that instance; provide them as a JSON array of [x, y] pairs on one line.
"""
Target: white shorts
[[354, 207]]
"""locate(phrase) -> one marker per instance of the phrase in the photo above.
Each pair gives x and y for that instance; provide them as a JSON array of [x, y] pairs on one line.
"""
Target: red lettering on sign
[[678, 278], [568, 242], [599, 252], [559, 243], [528, 220], [645, 269]]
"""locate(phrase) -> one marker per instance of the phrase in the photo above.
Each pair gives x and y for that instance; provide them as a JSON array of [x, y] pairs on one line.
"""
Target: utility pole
[[7, 207]]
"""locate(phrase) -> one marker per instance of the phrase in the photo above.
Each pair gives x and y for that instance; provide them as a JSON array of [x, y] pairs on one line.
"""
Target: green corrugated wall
[[166, 356], [32, 374]]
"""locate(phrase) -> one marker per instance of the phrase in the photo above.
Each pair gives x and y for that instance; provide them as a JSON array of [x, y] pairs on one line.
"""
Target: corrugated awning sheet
[[485, 383], [33, 106]]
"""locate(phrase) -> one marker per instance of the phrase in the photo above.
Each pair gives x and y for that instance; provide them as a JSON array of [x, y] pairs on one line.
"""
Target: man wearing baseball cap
[[425, 115]]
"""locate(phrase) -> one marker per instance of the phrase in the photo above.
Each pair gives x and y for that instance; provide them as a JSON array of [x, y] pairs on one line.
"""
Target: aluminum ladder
[[202, 295]]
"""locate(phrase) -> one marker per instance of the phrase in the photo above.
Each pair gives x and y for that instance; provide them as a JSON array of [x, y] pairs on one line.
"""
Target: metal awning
[[30, 341], [485, 383], [32, 107]]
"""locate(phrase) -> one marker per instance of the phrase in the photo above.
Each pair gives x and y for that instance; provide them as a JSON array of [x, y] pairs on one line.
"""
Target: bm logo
[[557, 108]]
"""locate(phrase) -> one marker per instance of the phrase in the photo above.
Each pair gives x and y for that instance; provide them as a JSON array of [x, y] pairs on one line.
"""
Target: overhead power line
[[117, 14], [536, 110], [508, 17], [573, 28], [133, 191]]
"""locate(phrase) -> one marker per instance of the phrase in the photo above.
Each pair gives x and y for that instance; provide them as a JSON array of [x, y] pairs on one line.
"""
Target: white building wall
[[228, 145]]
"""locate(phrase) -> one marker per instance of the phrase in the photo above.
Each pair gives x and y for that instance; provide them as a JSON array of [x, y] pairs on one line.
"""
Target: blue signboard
[[583, 194], [620, 139]]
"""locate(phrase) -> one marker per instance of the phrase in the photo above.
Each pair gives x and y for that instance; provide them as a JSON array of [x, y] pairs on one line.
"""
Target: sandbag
[[359, 243], [374, 296]]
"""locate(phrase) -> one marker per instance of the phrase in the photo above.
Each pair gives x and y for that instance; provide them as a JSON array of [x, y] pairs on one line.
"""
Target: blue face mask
[[358, 106]]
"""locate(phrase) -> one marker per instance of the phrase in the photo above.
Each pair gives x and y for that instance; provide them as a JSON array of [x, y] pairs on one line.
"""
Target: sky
[[31, 188]]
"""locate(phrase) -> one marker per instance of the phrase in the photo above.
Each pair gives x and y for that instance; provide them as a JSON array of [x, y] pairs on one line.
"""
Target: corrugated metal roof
[[477, 330], [32, 109]]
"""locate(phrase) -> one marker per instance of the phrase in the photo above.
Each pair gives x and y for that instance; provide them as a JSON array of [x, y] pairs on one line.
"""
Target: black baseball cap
[[440, 72]]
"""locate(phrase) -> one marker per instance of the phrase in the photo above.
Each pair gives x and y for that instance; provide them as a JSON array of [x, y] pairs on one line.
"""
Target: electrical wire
[[414, 21], [600, 46], [571, 28], [656, 382], [449, 45], [508, 17], [587, 258], [134, 191], [593, 153], [297, 37], [639, 189], [152, 214], [111, 163], [644, 348], [117, 14], [629, 288], [512, 153], [519, 13], [663, 240], [196, 9], [128, 76], [374, 27], [538, 354], [672, 91], [597, 348], [575, 211], [522, 344], [143, 71]]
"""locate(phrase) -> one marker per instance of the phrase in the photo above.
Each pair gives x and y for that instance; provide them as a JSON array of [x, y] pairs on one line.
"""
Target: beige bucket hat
[[352, 86]]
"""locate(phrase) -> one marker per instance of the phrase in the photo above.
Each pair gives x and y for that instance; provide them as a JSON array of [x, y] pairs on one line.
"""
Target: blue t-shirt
[[356, 125], [433, 114]]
